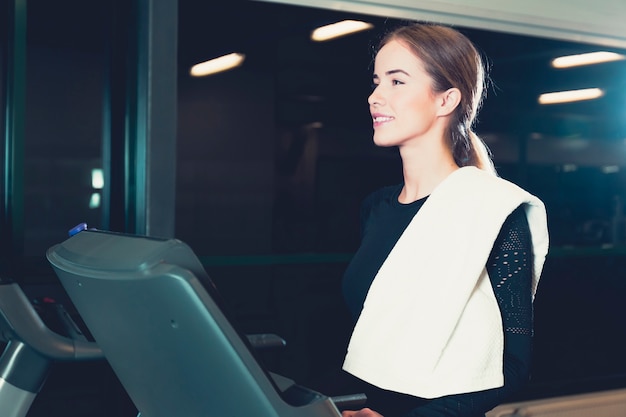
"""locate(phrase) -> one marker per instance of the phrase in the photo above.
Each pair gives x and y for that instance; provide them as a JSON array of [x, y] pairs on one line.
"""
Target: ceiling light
[[335, 30], [94, 201], [610, 169], [97, 178], [586, 59], [569, 96], [220, 64]]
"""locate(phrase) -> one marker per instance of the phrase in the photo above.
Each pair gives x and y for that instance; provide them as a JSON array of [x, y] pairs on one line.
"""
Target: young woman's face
[[403, 104]]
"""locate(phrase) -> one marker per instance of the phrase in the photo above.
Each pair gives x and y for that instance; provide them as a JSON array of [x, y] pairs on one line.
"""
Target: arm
[[509, 268], [364, 412]]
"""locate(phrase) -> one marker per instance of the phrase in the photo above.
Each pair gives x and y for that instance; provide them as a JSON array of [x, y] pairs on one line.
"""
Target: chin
[[381, 142]]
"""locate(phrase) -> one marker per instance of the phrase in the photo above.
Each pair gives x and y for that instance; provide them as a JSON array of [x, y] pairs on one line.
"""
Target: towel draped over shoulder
[[431, 325]]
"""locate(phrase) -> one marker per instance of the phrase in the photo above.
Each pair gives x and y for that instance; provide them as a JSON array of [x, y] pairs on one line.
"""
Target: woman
[[442, 285]]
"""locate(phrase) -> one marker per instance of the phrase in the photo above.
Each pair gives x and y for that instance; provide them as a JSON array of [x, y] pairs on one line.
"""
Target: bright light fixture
[[97, 179], [335, 30], [610, 169], [215, 65], [586, 59], [94, 201], [569, 96]]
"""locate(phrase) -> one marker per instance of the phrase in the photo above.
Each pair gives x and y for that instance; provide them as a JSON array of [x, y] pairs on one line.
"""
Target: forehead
[[397, 55]]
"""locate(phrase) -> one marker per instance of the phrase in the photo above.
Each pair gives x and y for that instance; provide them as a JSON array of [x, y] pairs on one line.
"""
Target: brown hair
[[451, 60]]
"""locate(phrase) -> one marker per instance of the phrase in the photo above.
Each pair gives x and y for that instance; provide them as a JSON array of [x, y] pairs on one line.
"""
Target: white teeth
[[381, 119]]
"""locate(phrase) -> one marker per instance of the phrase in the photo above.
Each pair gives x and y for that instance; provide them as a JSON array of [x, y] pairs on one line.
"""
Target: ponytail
[[469, 150], [483, 155]]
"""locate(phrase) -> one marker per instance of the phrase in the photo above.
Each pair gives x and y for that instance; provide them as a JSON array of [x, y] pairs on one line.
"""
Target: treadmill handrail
[[20, 319]]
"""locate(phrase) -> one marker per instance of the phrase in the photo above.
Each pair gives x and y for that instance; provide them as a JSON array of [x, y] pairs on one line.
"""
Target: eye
[[396, 82], [373, 85]]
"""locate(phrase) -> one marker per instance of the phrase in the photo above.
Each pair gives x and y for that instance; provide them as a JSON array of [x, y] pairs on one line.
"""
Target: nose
[[375, 98]]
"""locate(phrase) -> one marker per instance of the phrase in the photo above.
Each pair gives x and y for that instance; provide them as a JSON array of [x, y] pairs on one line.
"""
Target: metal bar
[[152, 141]]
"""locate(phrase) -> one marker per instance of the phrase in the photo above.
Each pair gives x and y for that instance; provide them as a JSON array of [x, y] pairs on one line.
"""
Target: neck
[[423, 171]]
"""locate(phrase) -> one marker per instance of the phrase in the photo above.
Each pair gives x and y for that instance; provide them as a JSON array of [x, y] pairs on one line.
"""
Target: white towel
[[431, 325]]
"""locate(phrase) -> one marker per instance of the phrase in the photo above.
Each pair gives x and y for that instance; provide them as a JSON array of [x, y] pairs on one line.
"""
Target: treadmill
[[155, 313], [30, 348]]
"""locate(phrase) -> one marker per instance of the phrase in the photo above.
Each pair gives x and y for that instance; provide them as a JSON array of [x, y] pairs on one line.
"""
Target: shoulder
[[382, 196], [471, 184], [474, 179]]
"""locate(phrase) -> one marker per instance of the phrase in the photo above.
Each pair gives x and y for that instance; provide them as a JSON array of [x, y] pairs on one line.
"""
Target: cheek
[[414, 98], [422, 104], [411, 109]]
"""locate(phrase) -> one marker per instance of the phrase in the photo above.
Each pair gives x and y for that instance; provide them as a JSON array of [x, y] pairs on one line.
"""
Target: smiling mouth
[[378, 120]]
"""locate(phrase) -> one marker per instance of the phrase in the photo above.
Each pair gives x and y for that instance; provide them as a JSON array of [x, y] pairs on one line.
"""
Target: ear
[[448, 101]]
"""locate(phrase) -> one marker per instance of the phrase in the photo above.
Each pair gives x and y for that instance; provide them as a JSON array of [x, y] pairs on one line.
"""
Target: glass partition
[[99, 120], [66, 72]]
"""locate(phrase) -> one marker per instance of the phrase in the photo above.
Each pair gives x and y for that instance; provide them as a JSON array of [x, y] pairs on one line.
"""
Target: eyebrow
[[394, 71]]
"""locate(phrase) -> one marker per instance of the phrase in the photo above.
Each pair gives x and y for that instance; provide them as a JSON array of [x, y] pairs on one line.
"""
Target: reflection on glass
[[66, 66]]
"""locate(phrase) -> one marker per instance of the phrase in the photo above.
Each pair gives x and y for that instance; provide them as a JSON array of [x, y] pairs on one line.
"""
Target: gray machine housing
[[155, 313]]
